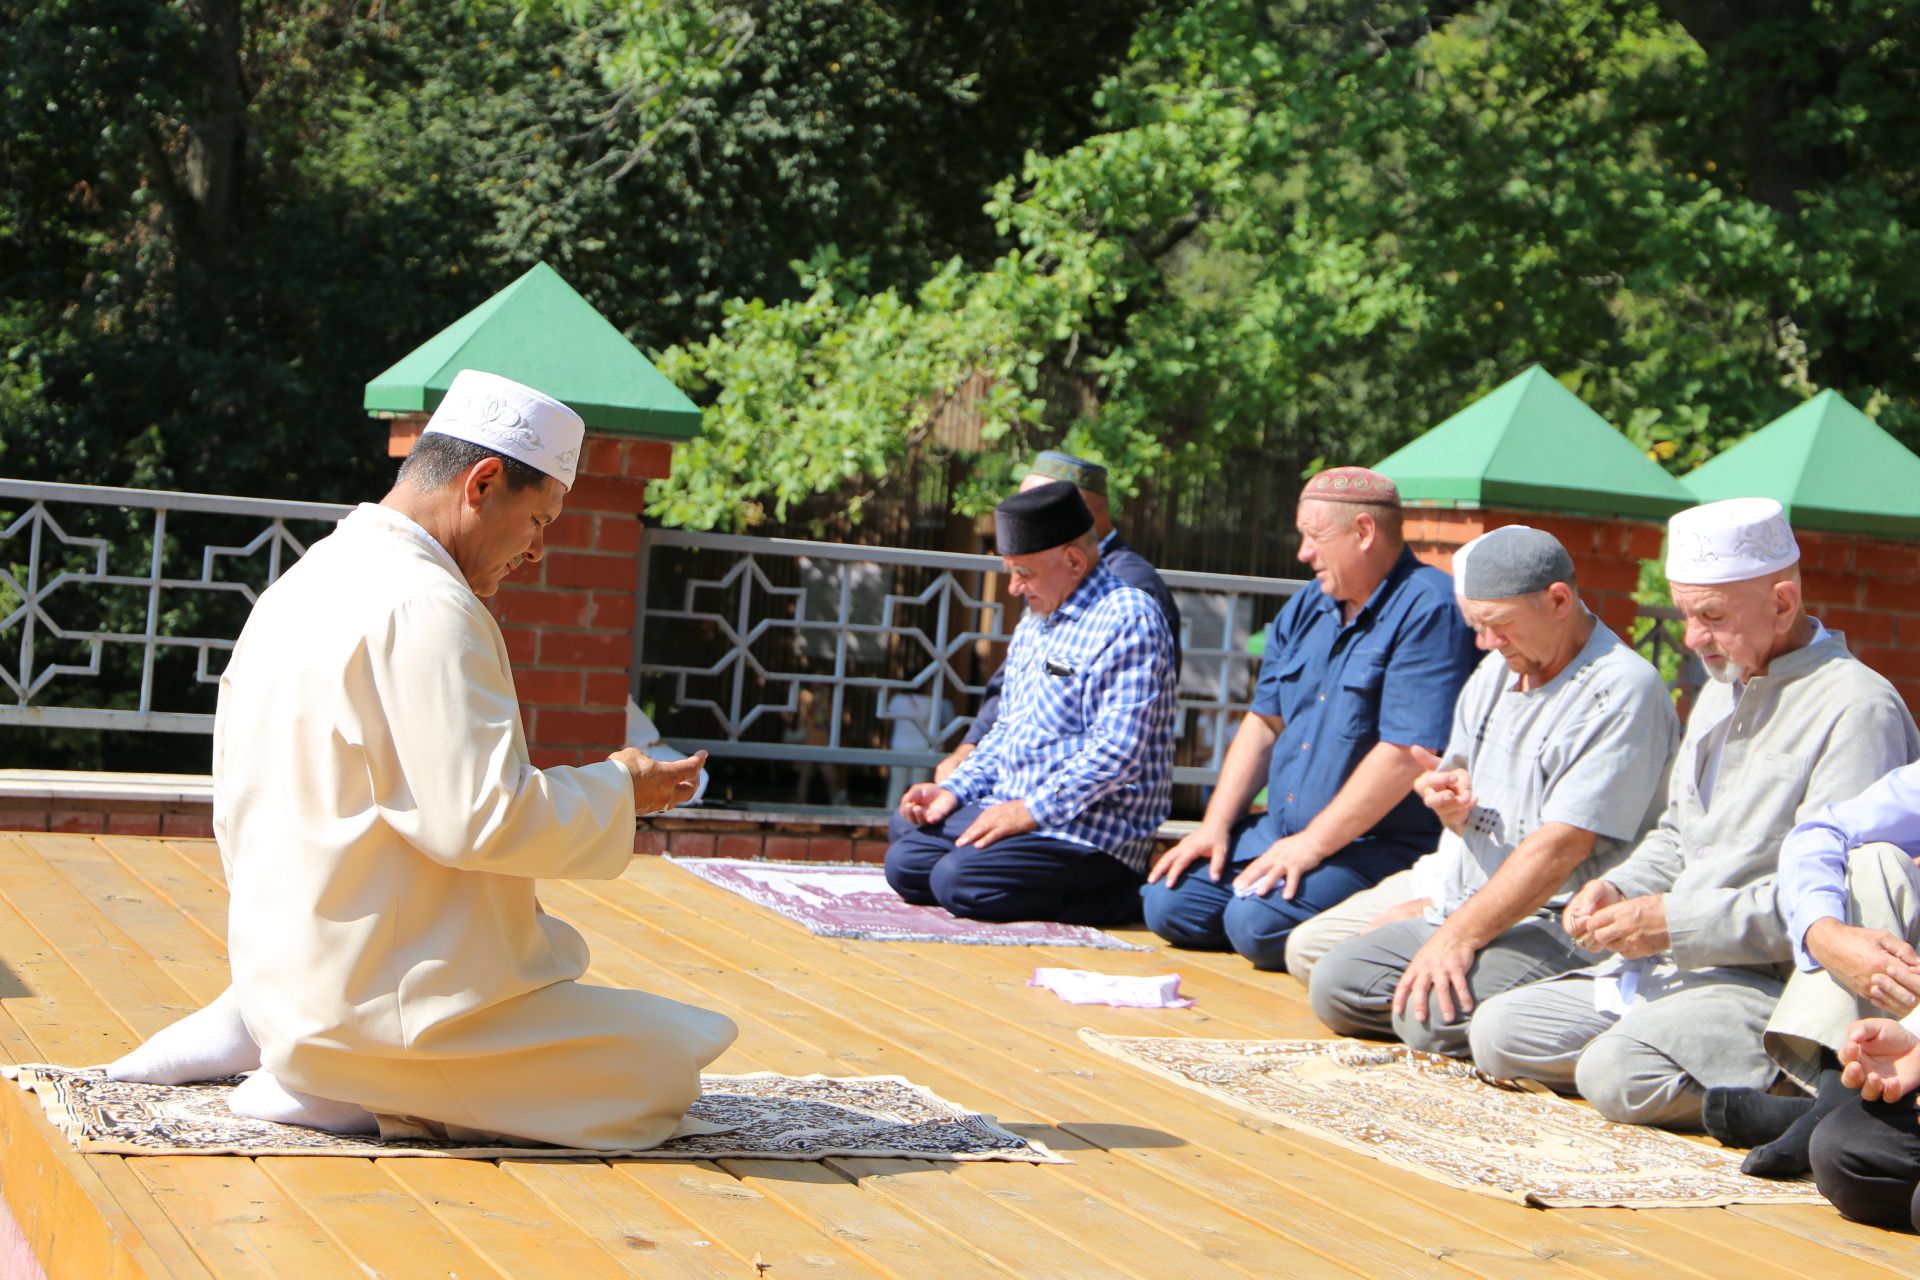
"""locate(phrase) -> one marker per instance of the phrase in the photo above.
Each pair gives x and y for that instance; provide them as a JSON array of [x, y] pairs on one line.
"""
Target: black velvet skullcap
[[1044, 517]]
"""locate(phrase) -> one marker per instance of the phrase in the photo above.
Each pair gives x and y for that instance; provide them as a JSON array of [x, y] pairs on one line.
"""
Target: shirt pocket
[[1285, 687], [1062, 698], [1769, 791], [1360, 683]]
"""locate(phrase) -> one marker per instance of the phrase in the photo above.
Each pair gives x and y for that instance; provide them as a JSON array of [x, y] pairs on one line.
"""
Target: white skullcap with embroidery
[[1729, 541], [513, 420]]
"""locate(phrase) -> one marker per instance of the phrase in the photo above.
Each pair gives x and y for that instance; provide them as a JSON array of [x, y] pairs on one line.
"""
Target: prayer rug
[[854, 900], [763, 1117], [1444, 1120]]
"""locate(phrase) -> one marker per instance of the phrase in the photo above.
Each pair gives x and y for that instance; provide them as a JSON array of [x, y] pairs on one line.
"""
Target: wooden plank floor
[[104, 940]]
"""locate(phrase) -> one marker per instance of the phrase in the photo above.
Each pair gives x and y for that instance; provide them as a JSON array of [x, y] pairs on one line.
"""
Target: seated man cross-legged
[[1850, 893], [1790, 723], [1557, 765], [1052, 817], [1360, 669]]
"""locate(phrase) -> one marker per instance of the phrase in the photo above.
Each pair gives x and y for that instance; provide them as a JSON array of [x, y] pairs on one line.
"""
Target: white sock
[[261, 1097], [201, 1046]]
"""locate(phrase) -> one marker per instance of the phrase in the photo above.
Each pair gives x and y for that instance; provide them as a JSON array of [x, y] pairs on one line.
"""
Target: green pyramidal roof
[[539, 331], [1532, 444], [1828, 464]]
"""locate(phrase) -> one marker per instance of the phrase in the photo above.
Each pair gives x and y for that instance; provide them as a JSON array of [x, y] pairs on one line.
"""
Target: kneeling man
[[1556, 766], [1791, 723], [381, 828], [1052, 817]]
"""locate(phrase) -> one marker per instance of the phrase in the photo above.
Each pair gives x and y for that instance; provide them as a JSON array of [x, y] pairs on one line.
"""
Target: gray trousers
[[1312, 939], [1883, 892], [1353, 985], [1693, 1030]]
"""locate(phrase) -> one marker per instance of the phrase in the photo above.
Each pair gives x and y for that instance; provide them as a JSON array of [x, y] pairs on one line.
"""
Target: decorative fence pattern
[[782, 649], [117, 606], [114, 602]]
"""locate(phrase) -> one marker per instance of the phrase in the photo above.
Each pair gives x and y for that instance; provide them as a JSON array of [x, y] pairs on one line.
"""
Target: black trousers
[[1866, 1159]]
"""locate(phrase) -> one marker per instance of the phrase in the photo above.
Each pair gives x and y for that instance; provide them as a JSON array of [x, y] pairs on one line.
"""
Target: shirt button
[[1289, 797], [1323, 697], [1305, 745]]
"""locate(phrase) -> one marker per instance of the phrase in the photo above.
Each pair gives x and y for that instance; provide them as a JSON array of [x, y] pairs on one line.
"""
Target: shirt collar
[[1091, 588], [1403, 566], [407, 527]]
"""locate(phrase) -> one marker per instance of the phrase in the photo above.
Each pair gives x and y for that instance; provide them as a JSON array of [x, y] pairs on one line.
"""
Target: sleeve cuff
[[1815, 905]]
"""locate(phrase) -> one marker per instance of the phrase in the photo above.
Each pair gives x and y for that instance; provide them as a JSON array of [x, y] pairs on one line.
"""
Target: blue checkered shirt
[[1085, 734]]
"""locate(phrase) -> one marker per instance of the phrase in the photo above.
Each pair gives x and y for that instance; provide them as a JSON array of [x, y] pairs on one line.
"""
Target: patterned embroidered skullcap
[[1729, 541], [1352, 484], [1055, 465], [512, 419]]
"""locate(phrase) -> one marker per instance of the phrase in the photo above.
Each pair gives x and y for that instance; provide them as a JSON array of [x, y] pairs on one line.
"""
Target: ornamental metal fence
[[117, 607], [784, 649], [115, 603]]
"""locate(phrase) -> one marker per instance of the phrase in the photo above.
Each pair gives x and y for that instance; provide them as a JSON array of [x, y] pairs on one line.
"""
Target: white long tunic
[[381, 828]]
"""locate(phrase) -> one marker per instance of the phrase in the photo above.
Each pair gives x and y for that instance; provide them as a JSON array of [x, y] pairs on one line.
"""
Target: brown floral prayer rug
[[765, 1117], [854, 900], [1444, 1120]]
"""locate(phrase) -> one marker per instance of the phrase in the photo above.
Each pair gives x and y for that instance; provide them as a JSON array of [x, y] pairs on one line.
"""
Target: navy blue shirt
[[1390, 675], [1131, 568]]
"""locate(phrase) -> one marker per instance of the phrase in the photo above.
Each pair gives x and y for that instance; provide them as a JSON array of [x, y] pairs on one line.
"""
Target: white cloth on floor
[[1081, 986]]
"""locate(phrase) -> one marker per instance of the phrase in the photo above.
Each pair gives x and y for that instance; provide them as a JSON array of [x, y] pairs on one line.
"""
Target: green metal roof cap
[[1828, 464], [539, 331], [1531, 444]]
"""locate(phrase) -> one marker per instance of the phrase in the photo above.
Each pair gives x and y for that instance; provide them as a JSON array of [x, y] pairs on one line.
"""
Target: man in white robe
[[382, 827]]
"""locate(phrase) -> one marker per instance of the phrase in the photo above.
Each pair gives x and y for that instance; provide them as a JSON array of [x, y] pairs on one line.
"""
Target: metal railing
[[783, 649], [127, 580]]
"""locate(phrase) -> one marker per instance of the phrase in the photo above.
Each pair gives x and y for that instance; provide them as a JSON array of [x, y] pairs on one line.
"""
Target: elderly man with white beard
[[1791, 723]]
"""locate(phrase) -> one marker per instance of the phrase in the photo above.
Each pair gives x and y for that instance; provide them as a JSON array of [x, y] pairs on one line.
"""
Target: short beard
[[1724, 673]]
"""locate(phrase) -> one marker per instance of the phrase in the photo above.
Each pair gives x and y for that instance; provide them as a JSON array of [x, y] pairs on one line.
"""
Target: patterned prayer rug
[[854, 900], [1444, 1120], [765, 1117]]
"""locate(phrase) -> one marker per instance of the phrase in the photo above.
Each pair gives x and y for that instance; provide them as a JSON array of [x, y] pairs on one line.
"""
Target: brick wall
[[568, 620], [1606, 552], [1870, 589]]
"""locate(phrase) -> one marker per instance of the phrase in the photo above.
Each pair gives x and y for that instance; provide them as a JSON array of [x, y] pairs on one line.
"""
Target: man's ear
[[1786, 605], [1366, 529], [482, 480]]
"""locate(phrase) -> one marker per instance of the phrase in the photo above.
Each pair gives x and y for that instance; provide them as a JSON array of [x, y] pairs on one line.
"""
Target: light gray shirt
[[1589, 748], [1820, 726]]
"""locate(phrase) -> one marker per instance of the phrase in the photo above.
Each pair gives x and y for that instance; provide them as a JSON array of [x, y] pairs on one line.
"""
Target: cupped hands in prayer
[[1880, 1058], [659, 785], [927, 802], [1601, 918], [1448, 792]]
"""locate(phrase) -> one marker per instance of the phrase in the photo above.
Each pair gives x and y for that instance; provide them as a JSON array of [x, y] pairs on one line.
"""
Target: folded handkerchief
[[1078, 986]]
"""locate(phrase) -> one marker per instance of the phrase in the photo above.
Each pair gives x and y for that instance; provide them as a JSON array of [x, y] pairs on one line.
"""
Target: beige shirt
[[381, 827]]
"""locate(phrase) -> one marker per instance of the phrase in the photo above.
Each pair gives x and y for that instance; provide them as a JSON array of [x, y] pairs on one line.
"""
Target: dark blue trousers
[[1025, 877], [1204, 915]]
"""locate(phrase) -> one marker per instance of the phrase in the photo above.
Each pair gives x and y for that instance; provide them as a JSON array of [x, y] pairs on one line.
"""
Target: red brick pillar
[[1606, 551], [1868, 588], [568, 620]]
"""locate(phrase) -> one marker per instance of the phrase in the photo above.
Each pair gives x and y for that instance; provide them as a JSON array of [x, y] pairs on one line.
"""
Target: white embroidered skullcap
[[1729, 541], [502, 415]]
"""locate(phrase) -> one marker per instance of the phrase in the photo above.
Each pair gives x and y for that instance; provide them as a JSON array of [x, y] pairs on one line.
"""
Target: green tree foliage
[[1311, 229], [220, 218]]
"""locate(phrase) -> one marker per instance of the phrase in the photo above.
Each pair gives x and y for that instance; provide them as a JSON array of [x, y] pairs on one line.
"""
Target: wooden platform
[[106, 939]]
